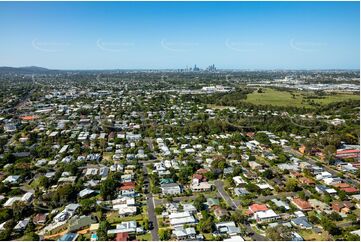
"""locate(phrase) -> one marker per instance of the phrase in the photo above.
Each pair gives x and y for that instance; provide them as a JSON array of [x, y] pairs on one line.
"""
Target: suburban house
[[170, 189], [127, 189], [198, 186], [302, 204], [180, 219], [302, 223], [227, 228], [265, 216], [185, 233], [254, 208]]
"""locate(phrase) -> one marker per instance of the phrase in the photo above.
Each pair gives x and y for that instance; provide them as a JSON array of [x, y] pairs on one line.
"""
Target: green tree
[[102, 230], [108, 188], [164, 234], [291, 185], [205, 225], [199, 202], [87, 205], [279, 232]]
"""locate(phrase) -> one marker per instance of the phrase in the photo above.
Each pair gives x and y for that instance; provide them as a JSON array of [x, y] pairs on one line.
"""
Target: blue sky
[[121, 35]]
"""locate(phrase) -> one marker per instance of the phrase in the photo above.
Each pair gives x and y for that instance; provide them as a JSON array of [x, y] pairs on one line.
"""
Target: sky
[[172, 35]]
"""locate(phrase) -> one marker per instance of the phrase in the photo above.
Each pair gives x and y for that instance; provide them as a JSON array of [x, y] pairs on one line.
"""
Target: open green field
[[295, 98]]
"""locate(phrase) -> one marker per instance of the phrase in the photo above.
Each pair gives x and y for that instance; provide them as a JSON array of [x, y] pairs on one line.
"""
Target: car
[[151, 225]]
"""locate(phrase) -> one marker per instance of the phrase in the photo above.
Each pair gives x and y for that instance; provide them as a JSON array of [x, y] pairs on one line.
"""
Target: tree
[[262, 138], [267, 174], [279, 233], [102, 230], [146, 223], [159, 209], [5, 214], [238, 217], [205, 225], [330, 226], [87, 205], [164, 234], [329, 151], [18, 208], [66, 192], [352, 237], [30, 236], [107, 188], [199, 202], [43, 181], [291, 185], [335, 216]]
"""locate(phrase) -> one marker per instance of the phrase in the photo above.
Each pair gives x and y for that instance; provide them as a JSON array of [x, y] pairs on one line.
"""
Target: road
[[150, 207], [220, 188], [235, 205], [150, 143]]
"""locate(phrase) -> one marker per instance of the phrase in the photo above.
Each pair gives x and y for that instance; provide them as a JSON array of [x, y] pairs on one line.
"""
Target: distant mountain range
[[26, 70]]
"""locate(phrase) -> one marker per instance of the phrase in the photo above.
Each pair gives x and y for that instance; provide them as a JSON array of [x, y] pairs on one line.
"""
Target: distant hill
[[26, 70]]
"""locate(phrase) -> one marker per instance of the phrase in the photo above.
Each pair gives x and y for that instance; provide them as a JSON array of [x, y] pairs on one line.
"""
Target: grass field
[[311, 235], [144, 237], [298, 99]]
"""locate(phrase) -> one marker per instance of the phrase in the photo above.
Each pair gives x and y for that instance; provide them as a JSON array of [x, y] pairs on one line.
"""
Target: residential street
[[150, 207], [289, 150], [236, 205]]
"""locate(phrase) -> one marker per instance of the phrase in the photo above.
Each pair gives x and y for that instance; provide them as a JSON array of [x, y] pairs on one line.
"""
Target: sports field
[[295, 98]]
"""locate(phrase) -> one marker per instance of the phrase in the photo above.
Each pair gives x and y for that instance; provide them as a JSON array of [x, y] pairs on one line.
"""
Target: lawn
[[144, 237], [337, 98], [274, 97], [114, 218], [311, 235], [208, 236], [108, 156]]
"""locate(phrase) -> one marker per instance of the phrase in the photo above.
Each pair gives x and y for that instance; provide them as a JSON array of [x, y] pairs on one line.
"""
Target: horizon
[[173, 69], [177, 35]]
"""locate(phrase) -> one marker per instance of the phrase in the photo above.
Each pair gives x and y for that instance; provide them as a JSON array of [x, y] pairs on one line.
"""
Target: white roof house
[[229, 228], [21, 225], [180, 219], [267, 215], [86, 192], [238, 180], [11, 179]]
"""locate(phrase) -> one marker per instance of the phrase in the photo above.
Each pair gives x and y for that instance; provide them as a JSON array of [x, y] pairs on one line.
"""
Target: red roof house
[[302, 204], [256, 208]]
